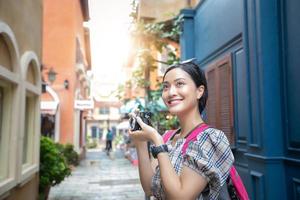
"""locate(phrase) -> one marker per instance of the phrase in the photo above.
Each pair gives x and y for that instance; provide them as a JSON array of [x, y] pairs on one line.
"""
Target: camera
[[146, 118]]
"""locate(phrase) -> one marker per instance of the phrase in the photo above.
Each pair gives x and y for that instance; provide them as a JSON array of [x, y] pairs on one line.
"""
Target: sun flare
[[109, 43]]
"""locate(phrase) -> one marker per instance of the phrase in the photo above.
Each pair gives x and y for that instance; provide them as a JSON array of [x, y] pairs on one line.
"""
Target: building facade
[[20, 89], [106, 116], [250, 53], [66, 55]]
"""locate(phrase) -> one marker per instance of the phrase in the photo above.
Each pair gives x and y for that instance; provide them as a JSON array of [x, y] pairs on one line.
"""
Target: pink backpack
[[239, 191]]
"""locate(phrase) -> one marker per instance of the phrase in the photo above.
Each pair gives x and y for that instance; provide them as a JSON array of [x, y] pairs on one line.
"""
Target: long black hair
[[197, 76]]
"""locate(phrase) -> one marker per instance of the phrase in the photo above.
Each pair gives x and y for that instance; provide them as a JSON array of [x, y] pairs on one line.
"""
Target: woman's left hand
[[147, 133]]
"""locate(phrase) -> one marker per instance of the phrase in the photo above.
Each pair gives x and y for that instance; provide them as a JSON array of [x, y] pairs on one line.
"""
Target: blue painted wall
[[221, 22], [263, 39], [290, 51]]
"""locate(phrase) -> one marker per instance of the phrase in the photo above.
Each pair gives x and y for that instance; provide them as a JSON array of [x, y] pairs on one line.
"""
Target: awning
[[123, 125], [157, 105], [49, 107], [132, 104]]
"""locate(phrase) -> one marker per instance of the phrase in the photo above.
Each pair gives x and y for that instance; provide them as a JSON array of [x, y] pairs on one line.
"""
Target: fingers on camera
[[139, 120]]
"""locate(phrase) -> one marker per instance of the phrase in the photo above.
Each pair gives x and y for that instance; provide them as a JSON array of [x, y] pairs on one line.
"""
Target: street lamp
[[66, 84], [51, 75]]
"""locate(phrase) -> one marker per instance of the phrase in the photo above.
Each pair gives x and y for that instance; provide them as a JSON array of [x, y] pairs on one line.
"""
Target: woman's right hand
[[147, 133]]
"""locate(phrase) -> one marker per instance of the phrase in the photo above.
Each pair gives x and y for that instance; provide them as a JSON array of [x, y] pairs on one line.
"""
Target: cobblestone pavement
[[100, 177]]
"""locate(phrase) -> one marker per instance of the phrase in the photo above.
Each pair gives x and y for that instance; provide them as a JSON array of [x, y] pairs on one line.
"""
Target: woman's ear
[[200, 91]]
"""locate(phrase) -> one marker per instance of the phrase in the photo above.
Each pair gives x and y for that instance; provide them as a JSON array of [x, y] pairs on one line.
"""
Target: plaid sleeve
[[210, 156]]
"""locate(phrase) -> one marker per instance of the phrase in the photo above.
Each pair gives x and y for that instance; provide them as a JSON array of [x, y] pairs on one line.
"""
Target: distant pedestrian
[[109, 139]]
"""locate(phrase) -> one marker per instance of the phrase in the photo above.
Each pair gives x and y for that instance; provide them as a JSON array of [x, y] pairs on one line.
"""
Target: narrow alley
[[76, 74], [99, 177]]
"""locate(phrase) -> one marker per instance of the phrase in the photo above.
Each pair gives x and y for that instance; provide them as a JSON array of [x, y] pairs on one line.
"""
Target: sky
[[109, 23]]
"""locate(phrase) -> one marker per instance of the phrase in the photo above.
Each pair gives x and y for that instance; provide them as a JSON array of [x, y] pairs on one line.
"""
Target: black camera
[[146, 118]]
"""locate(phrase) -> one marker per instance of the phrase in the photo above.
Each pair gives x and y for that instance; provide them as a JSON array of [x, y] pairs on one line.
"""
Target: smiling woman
[[194, 162]]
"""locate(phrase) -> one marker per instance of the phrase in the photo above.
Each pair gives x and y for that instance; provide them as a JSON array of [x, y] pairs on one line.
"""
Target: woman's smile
[[174, 101]]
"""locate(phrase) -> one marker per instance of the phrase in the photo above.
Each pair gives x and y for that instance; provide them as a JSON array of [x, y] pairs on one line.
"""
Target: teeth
[[170, 101]]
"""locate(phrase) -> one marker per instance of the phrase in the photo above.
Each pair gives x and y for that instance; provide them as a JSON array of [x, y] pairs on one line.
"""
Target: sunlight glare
[[109, 25]]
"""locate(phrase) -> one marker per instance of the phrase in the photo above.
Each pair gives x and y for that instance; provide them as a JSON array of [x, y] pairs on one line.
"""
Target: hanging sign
[[84, 104]]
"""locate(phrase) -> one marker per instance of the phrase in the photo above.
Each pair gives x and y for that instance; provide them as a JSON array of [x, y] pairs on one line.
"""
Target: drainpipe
[[187, 38]]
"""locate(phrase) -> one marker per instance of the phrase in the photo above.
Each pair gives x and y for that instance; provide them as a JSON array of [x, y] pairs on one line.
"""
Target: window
[[19, 113], [1, 112], [28, 130], [9, 105], [2, 170], [220, 97], [30, 126], [4, 129], [104, 111]]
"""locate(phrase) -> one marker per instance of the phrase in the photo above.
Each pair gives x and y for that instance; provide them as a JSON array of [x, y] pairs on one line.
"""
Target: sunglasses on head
[[188, 61]]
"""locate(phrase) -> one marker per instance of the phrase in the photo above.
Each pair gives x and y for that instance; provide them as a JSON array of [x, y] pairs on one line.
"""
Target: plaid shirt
[[209, 155]]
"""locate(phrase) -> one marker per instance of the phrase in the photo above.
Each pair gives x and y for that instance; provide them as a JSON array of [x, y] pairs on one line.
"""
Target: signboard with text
[[84, 104]]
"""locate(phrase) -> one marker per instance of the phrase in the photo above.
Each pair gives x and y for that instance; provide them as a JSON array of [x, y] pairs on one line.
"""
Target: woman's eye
[[165, 87], [179, 84]]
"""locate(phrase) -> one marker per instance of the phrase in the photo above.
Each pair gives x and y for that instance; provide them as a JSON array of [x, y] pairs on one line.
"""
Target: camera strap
[[189, 137]]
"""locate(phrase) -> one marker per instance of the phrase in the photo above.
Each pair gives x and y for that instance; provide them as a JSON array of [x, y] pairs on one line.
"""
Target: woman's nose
[[172, 91]]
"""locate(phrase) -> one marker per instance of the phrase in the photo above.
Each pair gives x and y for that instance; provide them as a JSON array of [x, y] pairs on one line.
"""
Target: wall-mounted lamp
[[44, 84], [51, 75], [66, 84]]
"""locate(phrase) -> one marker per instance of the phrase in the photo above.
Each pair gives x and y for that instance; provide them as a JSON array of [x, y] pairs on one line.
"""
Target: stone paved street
[[100, 177]]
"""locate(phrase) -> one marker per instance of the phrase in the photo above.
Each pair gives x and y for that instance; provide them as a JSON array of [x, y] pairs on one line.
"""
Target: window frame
[[29, 130], [25, 171], [10, 79], [5, 128]]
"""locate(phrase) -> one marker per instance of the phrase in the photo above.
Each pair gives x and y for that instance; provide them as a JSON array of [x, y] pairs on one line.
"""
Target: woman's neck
[[188, 121]]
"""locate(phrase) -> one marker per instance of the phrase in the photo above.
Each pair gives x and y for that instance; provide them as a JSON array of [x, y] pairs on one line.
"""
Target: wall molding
[[296, 188], [257, 182], [222, 50]]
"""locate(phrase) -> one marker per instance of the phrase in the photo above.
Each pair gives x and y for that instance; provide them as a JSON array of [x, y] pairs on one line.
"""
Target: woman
[[202, 170]]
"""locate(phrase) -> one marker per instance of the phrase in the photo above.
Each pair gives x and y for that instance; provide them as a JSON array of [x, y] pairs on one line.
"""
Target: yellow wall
[[25, 19], [161, 10], [28, 191]]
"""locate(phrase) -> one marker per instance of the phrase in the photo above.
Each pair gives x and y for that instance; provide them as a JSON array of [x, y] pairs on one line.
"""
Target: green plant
[[70, 154], [155, 37], [91, 143], [118, 139], [149, 36], [53, 166]]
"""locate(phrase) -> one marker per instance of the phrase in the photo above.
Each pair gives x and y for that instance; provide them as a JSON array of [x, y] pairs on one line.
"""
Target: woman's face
[[180, 93]]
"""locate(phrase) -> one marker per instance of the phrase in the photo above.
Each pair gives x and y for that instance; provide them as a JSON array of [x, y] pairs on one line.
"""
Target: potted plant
[[53, 167]]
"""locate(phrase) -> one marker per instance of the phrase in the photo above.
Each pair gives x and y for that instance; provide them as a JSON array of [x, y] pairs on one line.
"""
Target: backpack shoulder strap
[[238, 184], [168, 135], [193, 136]]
